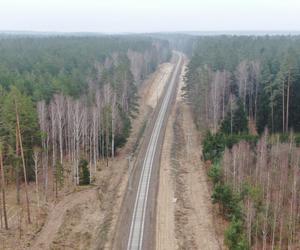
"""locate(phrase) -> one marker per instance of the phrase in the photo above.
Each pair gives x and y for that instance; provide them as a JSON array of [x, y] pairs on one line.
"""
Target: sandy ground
[[20, 233], [154, 91], [85, 218], [185, 217], [63, 212]]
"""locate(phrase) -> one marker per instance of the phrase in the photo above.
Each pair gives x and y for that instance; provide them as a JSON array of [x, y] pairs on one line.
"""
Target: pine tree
[[239, 121]]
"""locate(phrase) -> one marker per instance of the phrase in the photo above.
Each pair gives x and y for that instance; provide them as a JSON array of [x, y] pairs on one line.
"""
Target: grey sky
[[149, 15]]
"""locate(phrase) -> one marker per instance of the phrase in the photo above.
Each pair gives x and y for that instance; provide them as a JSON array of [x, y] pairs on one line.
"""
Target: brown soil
[[20, 233], [66, 214], [185, 215], [160, 78]]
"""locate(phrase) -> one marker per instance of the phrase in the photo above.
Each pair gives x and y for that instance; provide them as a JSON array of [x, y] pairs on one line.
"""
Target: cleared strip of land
[[185, 218]]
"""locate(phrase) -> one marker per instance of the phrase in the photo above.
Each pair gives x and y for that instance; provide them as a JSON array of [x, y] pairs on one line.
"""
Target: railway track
[[137, 225]]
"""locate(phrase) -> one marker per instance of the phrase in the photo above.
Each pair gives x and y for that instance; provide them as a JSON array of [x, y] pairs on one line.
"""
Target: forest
[[245, 95], [67, 102]]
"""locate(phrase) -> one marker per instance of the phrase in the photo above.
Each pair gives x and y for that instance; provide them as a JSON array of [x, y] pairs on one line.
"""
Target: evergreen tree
[[14, 102], [236, 124], [84, 173]]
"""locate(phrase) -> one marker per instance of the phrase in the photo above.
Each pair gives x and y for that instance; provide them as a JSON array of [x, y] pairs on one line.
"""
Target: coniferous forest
[[65, 103], [150, 125], [245, 92]]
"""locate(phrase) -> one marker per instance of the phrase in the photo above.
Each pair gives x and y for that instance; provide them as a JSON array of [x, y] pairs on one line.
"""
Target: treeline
[[261, 73], [178, 41], [42, 66], [66, 103], [245, 92]]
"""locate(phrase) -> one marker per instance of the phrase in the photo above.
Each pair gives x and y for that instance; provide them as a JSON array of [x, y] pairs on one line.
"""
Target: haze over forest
[[118, 16]]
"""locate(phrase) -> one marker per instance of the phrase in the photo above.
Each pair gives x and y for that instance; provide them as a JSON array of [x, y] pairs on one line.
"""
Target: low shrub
[[235, 239], [84, 173], [215, 144]]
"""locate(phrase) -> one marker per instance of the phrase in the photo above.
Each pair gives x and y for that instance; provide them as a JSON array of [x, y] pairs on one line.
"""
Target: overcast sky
[[113, 16]]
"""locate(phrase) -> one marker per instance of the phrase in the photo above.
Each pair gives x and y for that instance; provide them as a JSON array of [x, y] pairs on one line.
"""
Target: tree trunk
[[283, 107], [46, 169], [231, 115], [23, 162], [255, 102], [288, 102], [53, 142], [113, 114], [272, 111], [35, 159], [17, 169], [3, 190], [107, 137], [265, 233]]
